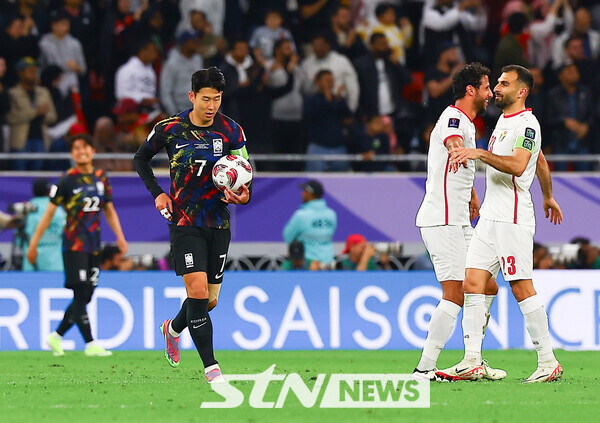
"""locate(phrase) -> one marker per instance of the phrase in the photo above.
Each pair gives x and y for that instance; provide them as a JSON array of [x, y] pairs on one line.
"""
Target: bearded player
[[503, 238], [445, 215]]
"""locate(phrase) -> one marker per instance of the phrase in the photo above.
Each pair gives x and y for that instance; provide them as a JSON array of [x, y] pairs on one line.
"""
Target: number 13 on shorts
[[510, 262]]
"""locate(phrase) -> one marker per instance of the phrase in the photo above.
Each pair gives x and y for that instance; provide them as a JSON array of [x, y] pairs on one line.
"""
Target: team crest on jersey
[[100, 188], [218, 145], [502, 136], [453, 123], [529, 133]]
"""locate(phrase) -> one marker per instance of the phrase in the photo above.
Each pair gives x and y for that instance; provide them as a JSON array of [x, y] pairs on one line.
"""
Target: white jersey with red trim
[[507, 197], [447, 194]]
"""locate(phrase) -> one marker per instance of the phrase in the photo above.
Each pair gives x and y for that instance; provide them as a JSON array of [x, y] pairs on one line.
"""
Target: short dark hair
[[321, 73], [523, 74], [571, 39], [41, 187], [142, 43], [109, 252], [383, 8], [85, 137], [279, 43], [470, 74], [376, 36], [208, 78]]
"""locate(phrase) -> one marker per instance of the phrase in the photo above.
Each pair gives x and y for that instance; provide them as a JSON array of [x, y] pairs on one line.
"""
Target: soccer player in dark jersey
[[197, 211], [84, 191]]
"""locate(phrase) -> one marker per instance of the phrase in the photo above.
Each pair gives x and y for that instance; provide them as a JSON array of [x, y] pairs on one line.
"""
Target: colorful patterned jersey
[[193, 151], [83, 196]]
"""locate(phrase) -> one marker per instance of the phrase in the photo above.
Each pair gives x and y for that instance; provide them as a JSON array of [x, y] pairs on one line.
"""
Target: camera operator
[[7, 220], [50, 246]]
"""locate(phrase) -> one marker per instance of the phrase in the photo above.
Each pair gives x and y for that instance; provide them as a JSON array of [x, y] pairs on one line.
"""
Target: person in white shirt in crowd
[[343, 72], [264, 37], [546, 18], [136, 79], [175, 75], [60, 48], [213, 9], [581, 28]]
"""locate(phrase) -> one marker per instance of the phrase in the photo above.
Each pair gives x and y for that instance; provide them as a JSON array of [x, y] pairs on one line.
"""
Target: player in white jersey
[[503, 238], [449, 205]]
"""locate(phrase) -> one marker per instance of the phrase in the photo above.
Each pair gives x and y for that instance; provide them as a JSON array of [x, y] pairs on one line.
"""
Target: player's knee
[[212, 304], [453, 292], [470, 286], [491, 288]]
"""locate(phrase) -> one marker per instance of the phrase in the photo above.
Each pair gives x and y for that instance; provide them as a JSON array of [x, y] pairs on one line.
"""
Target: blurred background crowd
[[322, 77]]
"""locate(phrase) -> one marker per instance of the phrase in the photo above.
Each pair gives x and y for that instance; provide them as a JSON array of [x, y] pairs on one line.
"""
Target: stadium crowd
[[303, 76]]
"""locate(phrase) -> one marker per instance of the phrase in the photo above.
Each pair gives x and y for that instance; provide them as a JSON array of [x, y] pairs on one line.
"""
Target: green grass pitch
[[136, 386]]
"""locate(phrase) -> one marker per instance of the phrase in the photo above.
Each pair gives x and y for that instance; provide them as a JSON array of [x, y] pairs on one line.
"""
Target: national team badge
[[100, 188], [502, 136], [218, 145]]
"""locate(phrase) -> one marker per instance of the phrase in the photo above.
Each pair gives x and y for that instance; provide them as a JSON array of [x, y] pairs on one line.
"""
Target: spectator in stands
[[360, 255], [327, 115], [537, 100], [111, 258], [136, 79], [108, 140], [315, 16], [31, 111], [61, 49], [582, 29], [399, 37], [14, 45], [151, 25], [314, 225], [84, 28], [374, 142], [183, 61], [288, 132], [51, 78], [542, 29], [381, 76], [509, 50], [542, 259], [240, 73], [438, 81], [296, 260], [212, 47], [50, 246], [343, 36], [214, 11], [264, 37], [34, 17], [588, 255], [343, 72], [455, 22], [588, 68], [570, 107]]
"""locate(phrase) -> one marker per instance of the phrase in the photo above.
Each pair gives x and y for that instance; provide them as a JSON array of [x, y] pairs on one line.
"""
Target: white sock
[[90, 344], [473, 322], [172, 332], [55, 335], [441, 325], [488, 301], [209, 368], [536, 321]]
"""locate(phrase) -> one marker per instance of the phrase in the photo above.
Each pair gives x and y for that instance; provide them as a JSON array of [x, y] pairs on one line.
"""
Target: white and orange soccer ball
[[232, 172]]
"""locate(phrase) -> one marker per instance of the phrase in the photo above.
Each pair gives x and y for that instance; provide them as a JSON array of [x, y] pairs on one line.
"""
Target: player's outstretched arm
[[513, 165], [551, 207], [39, 231]]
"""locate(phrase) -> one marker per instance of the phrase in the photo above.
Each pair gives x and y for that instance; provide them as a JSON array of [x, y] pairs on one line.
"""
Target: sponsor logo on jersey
[[77, 190], [529, 133], [528, 144], [453, 123], [218, 145], [178, 146]]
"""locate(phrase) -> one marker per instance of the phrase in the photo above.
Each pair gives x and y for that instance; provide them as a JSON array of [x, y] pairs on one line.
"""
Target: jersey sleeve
[[528, 137], [238, 142], [59, 192], [157, 138], [452, 126], [108, 198]]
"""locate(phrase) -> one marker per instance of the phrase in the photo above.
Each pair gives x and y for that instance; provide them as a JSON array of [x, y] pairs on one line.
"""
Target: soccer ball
[[231, 172]]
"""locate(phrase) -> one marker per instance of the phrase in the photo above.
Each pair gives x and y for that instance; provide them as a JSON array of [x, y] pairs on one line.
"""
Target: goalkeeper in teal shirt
[[50, 256]]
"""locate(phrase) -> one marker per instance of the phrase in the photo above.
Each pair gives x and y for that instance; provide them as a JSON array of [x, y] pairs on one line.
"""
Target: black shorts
[[200, 249], [81, 268]]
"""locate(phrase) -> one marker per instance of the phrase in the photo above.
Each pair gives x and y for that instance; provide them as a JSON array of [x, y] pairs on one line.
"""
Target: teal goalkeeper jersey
[[50, 246]]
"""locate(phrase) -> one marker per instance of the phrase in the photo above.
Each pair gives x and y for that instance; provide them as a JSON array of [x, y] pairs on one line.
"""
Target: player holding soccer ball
[[503, 238], [195, 140], [445, 215]]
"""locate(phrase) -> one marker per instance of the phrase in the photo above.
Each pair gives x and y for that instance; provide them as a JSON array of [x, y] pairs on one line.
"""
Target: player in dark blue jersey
[[197, 211], [84, 191]]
